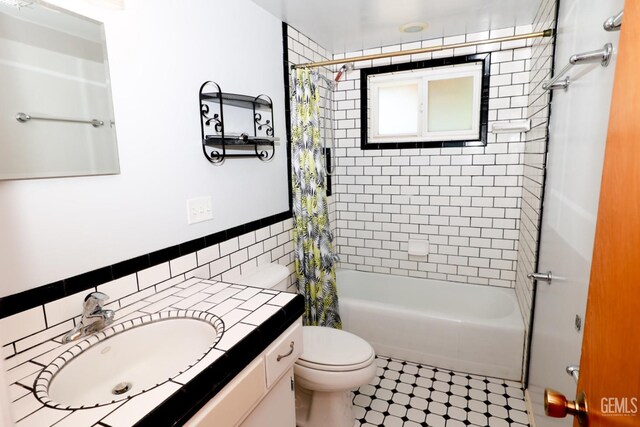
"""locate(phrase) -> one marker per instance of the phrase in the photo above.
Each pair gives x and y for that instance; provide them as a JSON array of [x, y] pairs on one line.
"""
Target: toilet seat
[[333, 350]]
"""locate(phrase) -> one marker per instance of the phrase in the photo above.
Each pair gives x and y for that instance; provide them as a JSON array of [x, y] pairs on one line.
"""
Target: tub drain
[[121, 388]]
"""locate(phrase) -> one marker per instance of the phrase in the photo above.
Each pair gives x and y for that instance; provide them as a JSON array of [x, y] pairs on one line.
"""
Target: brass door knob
[[557, 406]]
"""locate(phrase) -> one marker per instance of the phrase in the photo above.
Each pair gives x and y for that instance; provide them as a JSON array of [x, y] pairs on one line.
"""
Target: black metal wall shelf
[[215, 146], [236, 100]]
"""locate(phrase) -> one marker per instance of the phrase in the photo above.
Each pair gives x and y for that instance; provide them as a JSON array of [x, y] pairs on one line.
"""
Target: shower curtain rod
[[545, 33]]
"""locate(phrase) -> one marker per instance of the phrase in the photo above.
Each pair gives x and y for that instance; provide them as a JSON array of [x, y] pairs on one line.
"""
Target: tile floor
[[406, 394]]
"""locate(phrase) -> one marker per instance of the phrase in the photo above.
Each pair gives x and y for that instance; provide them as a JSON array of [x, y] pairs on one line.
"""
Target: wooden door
[[610, 364]]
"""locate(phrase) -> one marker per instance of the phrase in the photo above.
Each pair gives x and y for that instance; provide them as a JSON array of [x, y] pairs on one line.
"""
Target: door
[[610, 362]]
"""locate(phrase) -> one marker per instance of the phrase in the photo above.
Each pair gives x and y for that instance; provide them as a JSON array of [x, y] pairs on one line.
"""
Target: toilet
[[332, 364]]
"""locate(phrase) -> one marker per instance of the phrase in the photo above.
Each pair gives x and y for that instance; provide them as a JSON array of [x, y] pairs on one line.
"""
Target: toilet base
[[322, 409]]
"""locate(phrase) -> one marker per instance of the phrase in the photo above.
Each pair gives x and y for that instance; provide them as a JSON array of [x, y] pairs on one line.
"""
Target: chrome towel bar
[[603, 56], [23, 118], [613, 23]]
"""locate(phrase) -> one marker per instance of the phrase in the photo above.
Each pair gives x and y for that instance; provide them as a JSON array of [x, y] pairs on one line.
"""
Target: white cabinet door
[[277, 409]]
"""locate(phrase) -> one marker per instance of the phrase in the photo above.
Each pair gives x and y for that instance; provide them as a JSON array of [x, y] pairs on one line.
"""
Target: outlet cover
[[199, 209]]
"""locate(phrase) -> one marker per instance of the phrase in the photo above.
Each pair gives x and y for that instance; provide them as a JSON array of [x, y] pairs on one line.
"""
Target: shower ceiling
[[347, 25]]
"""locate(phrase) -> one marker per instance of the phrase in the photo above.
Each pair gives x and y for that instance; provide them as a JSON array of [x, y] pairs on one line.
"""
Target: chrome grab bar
[[574, 371], [23, 118], [540, 277], [613, 23], [603, 56]]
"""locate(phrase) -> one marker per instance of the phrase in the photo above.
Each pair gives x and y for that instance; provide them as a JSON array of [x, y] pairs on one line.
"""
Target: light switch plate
[[199, 209]]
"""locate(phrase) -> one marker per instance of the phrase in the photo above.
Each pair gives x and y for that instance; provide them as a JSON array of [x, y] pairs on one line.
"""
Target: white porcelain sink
[[128, 358]]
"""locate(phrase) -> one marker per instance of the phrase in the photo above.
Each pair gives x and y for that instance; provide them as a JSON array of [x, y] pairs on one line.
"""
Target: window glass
[[398, 109], [450, 104]]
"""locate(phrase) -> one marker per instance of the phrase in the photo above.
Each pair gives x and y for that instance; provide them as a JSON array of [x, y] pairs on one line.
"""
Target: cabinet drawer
[[284, 352], [234, 401]]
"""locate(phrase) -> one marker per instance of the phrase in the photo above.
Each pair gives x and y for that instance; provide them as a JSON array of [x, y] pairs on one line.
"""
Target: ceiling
[[348, 25]]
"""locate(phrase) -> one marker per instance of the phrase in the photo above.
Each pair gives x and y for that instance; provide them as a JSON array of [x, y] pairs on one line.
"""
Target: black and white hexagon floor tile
[[406, 394]]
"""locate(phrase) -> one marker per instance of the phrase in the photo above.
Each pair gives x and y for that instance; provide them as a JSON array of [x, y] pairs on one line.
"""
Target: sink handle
[[94, 301]]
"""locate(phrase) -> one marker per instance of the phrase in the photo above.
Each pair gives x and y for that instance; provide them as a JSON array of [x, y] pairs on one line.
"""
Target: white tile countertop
[[252, 317]]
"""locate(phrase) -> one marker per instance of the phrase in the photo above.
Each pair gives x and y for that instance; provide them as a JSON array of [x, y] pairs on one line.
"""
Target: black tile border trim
[[484, 58], [178, 408], [16, 303], [287, 103]]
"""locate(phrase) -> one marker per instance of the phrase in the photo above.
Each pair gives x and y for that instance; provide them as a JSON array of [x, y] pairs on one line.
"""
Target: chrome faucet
[[93, 319]]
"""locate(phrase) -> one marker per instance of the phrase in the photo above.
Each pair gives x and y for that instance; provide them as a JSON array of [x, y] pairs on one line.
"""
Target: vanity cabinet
[[262, 394], [277, 409]]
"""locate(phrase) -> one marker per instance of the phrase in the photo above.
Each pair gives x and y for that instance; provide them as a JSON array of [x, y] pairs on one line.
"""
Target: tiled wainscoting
[[24, 332], [406, 394]]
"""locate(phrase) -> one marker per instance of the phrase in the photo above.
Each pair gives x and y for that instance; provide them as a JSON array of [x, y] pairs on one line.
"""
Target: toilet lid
[[334, 350]]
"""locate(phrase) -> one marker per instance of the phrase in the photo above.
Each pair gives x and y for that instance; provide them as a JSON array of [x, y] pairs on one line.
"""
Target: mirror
[[56, 111]]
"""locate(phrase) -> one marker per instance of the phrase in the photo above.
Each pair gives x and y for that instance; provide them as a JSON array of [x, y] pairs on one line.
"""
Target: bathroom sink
[[127, 359]]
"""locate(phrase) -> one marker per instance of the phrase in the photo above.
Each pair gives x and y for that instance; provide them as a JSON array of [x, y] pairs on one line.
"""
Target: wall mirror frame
[[56, 108]]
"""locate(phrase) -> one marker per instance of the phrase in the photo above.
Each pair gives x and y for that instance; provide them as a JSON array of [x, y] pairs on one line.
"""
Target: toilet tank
[[269, 276]]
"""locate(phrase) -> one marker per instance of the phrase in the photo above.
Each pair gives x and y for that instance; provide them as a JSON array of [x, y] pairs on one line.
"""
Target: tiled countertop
[[253, 318]]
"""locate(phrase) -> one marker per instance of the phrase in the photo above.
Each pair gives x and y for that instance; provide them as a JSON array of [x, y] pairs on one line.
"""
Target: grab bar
[[541, 277], [601, 55], [24, 118], [613, 23], [574, 371]]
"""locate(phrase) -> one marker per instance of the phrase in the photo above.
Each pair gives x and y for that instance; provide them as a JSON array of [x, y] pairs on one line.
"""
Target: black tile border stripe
[[287, 103], [13, 304]]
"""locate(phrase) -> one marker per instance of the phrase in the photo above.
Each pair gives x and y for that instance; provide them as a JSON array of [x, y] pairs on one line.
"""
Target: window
[[442, 102]]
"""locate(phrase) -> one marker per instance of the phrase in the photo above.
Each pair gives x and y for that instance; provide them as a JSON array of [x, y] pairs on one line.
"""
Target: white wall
[[578, 130], [160, 52]]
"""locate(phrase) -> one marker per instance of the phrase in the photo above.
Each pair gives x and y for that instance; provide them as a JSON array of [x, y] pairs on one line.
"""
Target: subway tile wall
[[466, 201], [534, 159], [25, 334]]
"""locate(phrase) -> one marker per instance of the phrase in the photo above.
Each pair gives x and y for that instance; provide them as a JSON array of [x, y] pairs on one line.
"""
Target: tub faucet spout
[[93, 319]]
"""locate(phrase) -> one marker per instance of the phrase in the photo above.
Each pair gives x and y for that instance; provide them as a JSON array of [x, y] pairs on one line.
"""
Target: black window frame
[[484, 59]]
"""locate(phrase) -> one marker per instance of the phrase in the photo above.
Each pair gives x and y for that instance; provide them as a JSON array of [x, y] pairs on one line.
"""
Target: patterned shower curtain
[[313, 242]]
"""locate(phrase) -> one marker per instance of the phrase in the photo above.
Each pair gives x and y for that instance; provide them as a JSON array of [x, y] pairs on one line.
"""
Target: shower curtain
[[313, 242]]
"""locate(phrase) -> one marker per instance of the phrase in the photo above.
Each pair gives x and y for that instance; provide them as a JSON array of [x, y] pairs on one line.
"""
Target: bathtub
[[465, 328]]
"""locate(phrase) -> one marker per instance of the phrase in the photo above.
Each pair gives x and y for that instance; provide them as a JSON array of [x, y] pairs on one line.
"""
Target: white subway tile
[[183, 264], [65, 308], [22, 324], [153, 275]]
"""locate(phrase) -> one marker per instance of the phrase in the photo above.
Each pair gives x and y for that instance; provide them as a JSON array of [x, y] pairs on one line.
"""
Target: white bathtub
[[465, 328]]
